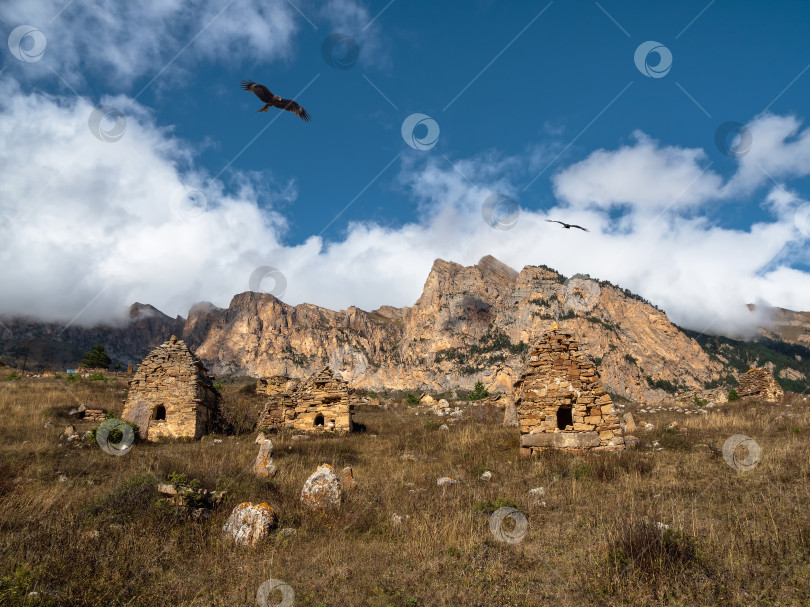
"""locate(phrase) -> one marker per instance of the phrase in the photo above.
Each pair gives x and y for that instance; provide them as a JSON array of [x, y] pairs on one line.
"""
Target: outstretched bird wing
[[568, 225], [261, 91], [292, 106]]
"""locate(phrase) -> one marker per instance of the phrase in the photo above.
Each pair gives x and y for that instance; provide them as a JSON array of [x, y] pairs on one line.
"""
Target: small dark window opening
[[564, 418], [318, 420], [160, 412]]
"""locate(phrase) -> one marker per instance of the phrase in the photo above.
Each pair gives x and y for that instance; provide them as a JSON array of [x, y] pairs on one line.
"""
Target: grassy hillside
[[742, 355], [81, 527]]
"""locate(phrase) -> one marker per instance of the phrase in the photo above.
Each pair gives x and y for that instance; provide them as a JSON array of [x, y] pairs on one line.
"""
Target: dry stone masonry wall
[[171, 394], [561, 403], [319, 403], [760, 383]]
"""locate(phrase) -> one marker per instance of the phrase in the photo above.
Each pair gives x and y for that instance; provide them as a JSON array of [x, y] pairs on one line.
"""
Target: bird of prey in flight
[[271, 100], [568, 226]]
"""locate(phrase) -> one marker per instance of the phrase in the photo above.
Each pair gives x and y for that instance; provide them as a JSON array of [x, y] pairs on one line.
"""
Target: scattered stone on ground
[[264, 467], [249, 523], [347, 482], [510, 416], [321, 490], [486, 475], [629, 422], [444, 427], [446, 481], [538, 491], [260, 438]]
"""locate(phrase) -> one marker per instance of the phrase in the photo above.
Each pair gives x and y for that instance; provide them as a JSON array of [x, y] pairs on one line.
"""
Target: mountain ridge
[[470, 323]]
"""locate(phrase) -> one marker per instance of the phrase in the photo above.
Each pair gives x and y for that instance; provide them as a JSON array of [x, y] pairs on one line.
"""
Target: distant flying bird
[[568, 226], [271, 100]]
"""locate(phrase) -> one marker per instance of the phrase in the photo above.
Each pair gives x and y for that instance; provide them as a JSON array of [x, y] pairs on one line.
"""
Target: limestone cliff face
[[470, 323], [787, 325]]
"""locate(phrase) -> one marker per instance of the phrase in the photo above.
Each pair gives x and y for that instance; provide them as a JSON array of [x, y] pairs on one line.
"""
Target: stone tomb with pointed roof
[[561, 403], [760, 383], [172, 394], [320, 403]]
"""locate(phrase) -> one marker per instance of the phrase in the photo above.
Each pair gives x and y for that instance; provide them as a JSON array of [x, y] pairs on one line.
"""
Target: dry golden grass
[[735, 538]]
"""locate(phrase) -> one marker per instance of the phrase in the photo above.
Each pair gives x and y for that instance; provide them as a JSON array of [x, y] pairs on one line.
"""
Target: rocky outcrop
[[761, 384], [561, 403], [470, 324]]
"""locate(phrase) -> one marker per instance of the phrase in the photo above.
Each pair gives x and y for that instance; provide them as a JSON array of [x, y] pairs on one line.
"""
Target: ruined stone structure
[[561, 403], [171, 394], [760, 383], [318, 403]]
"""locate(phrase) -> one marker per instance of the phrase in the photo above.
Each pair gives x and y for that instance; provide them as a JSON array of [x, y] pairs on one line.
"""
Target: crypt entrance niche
[[565, 418]]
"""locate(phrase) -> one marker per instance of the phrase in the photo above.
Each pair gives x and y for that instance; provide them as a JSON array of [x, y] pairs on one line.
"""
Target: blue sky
[[539, 102]]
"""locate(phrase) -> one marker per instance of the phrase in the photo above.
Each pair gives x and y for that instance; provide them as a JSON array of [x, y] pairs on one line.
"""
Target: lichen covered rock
[[264, 467], [249, 523], [322, 490]]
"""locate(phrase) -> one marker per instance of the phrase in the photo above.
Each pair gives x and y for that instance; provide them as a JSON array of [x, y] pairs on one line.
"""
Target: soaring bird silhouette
[[568, 226], [271, 100]]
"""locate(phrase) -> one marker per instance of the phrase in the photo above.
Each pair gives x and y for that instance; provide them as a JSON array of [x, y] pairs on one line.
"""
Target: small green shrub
[[479, 391], [11, 376], [432, 424], [654, 552], [581, 471], [671, 438], [732, 395], [700, 402], [72, 377], [631, 359], [411, 398], [98, 377]]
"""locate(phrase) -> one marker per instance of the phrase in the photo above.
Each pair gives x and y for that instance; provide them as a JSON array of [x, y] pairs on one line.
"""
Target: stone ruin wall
[[171, 376], [760, 383], [558, 375], [300, 404]]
